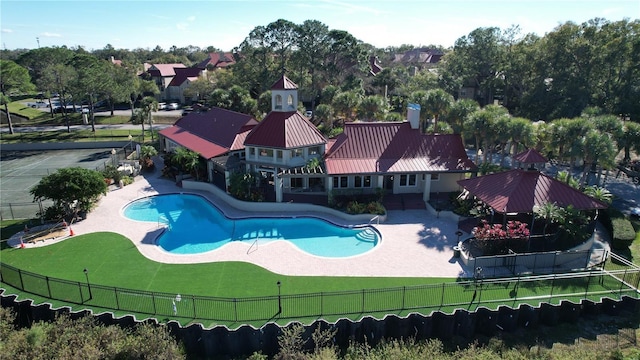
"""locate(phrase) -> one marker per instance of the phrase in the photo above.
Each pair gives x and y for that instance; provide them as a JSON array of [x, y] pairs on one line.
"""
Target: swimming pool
[[194, 225]]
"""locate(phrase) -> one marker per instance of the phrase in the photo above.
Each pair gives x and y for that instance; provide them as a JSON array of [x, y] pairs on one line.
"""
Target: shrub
[[111, 172], [127, 180], [623, 233]]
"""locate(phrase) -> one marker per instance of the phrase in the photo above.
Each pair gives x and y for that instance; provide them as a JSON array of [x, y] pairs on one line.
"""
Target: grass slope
[[113, 260]]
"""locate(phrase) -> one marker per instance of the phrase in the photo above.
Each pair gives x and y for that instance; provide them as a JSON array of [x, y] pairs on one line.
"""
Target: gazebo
[[520, 191]]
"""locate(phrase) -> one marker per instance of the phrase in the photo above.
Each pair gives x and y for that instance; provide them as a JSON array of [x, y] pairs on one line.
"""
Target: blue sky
[[93, 24]]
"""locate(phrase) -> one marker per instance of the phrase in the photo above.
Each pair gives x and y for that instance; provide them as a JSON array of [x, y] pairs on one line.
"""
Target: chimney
[[413, 115]]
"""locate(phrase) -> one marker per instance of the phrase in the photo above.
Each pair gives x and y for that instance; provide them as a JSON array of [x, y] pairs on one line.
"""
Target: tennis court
[[21, 170]]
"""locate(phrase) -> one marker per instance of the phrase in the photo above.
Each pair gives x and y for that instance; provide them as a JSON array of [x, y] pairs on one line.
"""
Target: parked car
[[308, 113], [162, 106], [173, 106]]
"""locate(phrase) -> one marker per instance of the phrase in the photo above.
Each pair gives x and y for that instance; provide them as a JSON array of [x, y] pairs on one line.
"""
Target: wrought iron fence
[[376, 302]]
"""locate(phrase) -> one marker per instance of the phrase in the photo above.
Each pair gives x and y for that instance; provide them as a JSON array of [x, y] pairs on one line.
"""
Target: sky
[[224, 24]]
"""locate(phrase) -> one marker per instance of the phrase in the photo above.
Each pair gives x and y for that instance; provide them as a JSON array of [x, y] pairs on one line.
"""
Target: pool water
[[194, 225]]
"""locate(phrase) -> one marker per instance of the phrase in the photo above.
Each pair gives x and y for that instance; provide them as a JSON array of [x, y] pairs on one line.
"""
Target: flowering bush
[[514, 230]]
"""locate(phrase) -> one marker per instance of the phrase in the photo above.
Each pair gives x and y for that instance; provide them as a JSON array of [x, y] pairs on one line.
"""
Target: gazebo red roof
[[519, 191], [530, 156]]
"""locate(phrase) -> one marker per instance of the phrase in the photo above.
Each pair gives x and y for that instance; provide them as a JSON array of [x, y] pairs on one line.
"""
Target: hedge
[[623, 233]]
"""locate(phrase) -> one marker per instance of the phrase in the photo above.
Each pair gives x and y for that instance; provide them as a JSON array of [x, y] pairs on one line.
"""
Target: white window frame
[[364, 180], [337, 182], [406, 180]]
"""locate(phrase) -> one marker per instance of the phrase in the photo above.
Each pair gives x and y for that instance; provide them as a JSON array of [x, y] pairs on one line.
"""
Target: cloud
[[182, 26], [48, 34], [7, 30], [191, 19]]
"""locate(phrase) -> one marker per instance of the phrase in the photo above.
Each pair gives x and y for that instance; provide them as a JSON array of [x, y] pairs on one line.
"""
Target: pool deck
[[414, 243]]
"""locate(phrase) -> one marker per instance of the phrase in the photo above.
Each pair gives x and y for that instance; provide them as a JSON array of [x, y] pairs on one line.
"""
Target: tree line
[[577, 71]]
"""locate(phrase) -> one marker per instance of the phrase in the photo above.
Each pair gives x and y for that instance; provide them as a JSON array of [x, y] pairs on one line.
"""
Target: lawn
[[113, 261]]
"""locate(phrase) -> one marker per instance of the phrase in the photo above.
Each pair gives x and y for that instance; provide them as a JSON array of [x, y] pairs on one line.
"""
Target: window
[[362, 181], [297, 152], [435, 177], [340, 182], [290, 101], [278, 102], [252, 151], [266, 152], [408, 180], [279, 154], [314, 150], [296, 182]]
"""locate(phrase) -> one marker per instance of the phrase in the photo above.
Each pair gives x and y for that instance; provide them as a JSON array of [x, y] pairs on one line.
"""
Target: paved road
[[24, 129]]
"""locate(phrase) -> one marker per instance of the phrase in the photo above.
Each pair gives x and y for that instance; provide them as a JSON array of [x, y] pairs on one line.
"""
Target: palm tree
[[189, 160], [599, 193], [566, 178], [438, 103], [148, 105], [146, 153], [550, 213]]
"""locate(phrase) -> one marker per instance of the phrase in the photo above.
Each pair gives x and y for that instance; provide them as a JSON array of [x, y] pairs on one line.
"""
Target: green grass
[[113, 261]]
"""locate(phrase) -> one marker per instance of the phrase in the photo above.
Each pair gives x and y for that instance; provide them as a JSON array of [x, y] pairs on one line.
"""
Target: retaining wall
[[245, 340], [298, 208]]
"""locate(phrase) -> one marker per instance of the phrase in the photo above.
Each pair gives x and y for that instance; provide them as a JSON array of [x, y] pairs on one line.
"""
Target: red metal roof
[[286, 130], [220, 128], [530, 156], [518, 191], [164, 69], [193, 142], [396, 148], [284, 83], [182, 74], [218, 60]]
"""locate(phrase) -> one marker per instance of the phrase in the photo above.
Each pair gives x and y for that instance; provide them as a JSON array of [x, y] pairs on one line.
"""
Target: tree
[[187, 159], [71, 189], [438, 103], [476, 60], [92, 80], [13, 79], [147, 106], [59, 78], [146, 153], [460, 112], [345, 103], [324, 115], [550, 213], [372, 107]]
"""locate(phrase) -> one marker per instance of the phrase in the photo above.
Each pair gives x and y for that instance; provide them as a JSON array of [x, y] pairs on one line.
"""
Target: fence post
[[404, 288], [80, 289], [362, 310], [193, 300], [553, 280], [115, 292], [586, 290], [11, 210], [46, 278], [235, 309], [21, 282], [153, 299], [442, 296], [321, 303], [624, 278]]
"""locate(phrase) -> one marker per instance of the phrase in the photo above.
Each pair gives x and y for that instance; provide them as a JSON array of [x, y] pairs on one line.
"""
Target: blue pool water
[[195, 226]]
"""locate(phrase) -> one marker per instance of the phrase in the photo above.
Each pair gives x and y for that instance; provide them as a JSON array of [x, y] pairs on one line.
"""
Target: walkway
[[414, 243]]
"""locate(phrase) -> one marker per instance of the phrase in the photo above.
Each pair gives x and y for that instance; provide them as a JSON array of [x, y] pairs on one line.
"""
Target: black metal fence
[[376, 302]]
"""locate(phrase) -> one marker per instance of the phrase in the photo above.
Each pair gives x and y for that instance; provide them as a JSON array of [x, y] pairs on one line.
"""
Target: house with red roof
[[217, 60], [181, 80], [162, 75], [217, 135], [294, 157]]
